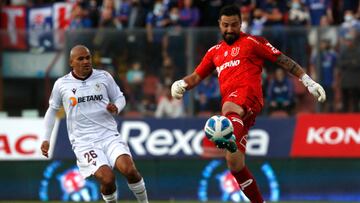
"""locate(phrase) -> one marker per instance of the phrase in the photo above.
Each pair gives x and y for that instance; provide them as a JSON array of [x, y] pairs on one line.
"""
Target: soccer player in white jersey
[[90, 98]]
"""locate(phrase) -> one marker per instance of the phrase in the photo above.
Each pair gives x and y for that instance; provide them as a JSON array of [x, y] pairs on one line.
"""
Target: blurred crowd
[[192, 13], [321, 35]]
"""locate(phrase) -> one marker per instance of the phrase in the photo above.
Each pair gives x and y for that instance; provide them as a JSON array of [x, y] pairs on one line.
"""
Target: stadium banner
[[61, 20], [327, 135], [182, 138], [40, 25], [13, 24], [20, 138], [198, 180]]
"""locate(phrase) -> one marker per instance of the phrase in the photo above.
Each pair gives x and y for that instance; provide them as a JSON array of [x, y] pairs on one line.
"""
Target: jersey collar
[[77, 77]]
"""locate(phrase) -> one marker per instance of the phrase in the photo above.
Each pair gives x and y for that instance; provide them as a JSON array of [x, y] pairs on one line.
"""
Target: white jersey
[[85, 101]]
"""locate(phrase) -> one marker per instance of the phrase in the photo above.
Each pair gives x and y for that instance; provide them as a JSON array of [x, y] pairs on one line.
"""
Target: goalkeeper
[[238, 60]]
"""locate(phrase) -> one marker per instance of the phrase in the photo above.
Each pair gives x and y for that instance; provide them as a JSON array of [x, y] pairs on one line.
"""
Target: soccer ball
[[218, 127]]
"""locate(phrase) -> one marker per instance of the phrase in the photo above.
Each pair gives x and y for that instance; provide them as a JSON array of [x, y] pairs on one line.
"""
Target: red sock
[[240, 131], [248, 185]]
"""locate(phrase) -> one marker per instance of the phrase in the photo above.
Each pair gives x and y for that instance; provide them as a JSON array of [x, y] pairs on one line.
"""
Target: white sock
[[112, 198], [139, 191]]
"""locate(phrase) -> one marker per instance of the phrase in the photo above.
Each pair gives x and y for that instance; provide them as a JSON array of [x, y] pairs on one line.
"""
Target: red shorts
[[250, 103], [252, 106]]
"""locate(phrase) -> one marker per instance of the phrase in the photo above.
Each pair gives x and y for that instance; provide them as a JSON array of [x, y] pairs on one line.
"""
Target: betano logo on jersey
[[74, 101], [228, 64]]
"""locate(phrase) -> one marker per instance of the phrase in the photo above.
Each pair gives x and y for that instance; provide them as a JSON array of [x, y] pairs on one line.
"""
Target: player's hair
[[230, 10]]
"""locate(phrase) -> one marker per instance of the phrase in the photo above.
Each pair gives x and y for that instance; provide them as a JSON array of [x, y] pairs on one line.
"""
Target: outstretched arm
[[294, 68], [49, 119], [192, 80], [179, 87], [290, 65]]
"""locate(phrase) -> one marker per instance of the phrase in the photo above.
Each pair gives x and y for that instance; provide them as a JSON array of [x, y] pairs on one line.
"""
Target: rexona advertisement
[[327, 135], [20, 138], [182, 138], [307, 135]]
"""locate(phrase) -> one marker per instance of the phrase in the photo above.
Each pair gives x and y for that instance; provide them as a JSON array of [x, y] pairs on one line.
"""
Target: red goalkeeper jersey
[[239, 65]]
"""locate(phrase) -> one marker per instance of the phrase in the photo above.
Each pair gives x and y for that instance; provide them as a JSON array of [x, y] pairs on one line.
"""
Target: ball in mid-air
[[218, 127]]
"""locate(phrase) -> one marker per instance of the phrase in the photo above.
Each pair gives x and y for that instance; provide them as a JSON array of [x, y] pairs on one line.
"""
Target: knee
[[230, 107], [107, 179]]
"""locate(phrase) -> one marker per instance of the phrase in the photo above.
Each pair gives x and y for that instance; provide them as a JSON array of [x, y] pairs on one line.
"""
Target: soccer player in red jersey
[[238, 60]]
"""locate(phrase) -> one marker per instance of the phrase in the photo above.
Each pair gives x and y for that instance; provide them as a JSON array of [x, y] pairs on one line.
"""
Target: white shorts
[[105, 152]]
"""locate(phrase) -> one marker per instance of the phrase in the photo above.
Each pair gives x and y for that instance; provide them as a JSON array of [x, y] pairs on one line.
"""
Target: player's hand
[[45, 148], [178, 88], [314, 88], [112, 108], [317, 91], [228, 144]]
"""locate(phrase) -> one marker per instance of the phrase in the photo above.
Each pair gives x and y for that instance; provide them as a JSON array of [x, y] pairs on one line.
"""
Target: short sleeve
[[264, 49], [206, 66], [55, 100]]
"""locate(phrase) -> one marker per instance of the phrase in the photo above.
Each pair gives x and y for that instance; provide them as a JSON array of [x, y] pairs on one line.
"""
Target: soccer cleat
[[228, 144]]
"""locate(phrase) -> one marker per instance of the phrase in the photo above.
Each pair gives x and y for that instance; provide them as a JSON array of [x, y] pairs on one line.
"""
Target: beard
[[230, 38]]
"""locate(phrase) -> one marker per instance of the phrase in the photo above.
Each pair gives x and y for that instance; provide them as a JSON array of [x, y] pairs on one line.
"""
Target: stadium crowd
[[321, 35]]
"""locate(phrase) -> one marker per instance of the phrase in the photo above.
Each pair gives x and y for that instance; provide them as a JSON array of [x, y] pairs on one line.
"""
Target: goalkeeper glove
[[314, 88], [228, 144], [178, 88]]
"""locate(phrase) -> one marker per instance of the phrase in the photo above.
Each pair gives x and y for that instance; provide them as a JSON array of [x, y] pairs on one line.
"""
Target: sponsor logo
[[20, 139], [228, 64], [327, 136], [233, 94], [20, 144], [258, 141], [173, 142], [333, 136], [74, 101]]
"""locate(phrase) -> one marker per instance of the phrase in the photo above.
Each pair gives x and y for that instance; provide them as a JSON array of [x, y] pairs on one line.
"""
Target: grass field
[[165, 202]]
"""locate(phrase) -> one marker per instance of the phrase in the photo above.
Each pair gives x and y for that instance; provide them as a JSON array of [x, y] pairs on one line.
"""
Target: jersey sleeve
[[116, 96], [206, 66], [55, 100], [264, 49]]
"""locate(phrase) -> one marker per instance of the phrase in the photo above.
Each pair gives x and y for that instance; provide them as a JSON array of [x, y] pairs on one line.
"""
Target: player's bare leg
[[236, 160], [106, 177], [125, 165]]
